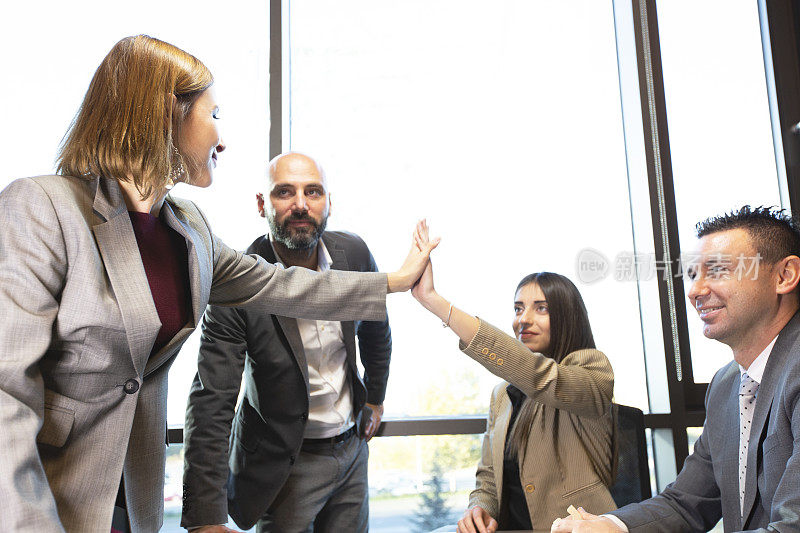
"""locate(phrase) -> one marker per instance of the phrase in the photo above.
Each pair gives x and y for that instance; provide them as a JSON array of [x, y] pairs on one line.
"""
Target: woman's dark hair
[[569, 331]]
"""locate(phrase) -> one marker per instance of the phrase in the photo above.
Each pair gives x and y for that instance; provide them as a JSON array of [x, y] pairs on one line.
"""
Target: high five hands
[[416, 261], [423, 289]]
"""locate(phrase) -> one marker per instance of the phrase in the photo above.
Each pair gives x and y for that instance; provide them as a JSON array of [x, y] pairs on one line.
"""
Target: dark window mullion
[[783, 21], [275, 78], [665, 221]]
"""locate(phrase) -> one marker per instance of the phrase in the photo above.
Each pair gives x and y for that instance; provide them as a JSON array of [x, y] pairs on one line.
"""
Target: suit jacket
[[81, 398], [570, 451], [707, 488], [269, 424]]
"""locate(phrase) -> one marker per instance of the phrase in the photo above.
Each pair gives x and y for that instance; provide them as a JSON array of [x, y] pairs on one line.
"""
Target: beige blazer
[[81, 399], [570, 451]]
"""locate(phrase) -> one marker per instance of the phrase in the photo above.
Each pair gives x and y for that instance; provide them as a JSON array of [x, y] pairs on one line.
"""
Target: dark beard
[[299, 239]]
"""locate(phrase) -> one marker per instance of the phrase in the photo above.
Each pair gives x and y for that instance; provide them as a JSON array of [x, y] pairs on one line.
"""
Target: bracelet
[[449, 312]]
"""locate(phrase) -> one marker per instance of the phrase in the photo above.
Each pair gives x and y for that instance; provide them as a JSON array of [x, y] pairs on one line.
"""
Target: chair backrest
[[632, 483]]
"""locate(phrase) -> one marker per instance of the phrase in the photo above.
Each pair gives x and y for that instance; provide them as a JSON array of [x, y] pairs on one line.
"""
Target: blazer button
[[291, 459], [500, 361], [485, 351], [492, 356], [131, 386], [304, 417], [529, 488]]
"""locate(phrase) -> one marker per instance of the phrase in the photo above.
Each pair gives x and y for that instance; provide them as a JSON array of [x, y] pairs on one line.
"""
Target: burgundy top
[[166, 264]]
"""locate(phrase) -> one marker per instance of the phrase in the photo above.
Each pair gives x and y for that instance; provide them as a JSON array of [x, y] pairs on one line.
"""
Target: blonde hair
[[132, 114]]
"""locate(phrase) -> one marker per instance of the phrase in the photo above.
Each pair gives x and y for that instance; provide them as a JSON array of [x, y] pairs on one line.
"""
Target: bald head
[[295, 164], [299, 203]]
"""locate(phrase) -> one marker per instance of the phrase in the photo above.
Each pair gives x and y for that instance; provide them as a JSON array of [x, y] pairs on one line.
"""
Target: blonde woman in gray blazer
[[84, 353], [557, 387]]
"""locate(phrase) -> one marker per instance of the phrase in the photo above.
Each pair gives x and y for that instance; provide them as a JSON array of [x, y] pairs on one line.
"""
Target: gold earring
[[177, 172]]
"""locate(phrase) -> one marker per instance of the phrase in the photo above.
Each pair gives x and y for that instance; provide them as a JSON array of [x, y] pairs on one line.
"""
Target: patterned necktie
[[747, 404]]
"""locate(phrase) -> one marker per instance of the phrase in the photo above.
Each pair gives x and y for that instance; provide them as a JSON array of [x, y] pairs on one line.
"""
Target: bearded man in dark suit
[[297, 457]]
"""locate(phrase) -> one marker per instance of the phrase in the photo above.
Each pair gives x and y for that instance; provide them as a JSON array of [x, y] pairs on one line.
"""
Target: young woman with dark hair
[[550, 440]]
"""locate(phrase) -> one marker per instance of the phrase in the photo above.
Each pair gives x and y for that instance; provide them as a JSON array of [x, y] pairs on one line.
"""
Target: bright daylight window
[[719, 125], [501, 123], [498, 121]]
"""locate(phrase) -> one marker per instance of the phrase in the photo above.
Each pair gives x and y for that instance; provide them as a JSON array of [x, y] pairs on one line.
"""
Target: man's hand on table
[[584, 523]]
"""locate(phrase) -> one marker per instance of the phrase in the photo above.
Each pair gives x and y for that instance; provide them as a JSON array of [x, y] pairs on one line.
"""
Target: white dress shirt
[[330, 410], [755, 371], [756, 368]]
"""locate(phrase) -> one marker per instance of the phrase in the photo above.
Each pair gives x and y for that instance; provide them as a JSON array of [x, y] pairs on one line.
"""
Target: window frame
[[780, 22]]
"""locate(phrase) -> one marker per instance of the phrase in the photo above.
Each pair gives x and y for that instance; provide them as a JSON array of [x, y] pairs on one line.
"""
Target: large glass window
[[420, 483], [719, 123], [415, 483], [499, 122]]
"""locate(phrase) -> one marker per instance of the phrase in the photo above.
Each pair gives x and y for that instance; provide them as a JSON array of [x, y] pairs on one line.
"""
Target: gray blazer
[[707, 487], [81, 399], [569, 456], [269, 424]]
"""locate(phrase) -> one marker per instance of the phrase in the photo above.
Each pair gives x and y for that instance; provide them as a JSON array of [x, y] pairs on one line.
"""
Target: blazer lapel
[[167, 351], [349, 339], [288, 325], [766, 391], [200, 272], [730, 442], [338, 257], [117, 244], [292, 333], [200, 263], [339, 262], [503, 415]]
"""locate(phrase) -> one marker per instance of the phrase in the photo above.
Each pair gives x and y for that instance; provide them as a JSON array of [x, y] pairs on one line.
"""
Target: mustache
[[300, 217]]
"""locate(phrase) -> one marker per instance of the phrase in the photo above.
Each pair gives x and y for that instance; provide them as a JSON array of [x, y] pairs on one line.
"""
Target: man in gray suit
[[298, 456], [745, 467]]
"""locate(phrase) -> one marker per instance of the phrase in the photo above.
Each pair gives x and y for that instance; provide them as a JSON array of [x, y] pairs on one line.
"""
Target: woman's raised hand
[[416, 261], [462, 324], [423, 289]]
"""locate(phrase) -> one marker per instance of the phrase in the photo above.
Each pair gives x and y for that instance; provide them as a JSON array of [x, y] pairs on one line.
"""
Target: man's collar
[[323, 256], [756, 368]]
